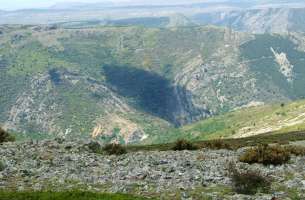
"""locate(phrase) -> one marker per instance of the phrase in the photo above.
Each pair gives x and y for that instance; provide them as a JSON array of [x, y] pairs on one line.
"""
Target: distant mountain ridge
[[267, 20], [240, 15], [79, 6], [196, 3]]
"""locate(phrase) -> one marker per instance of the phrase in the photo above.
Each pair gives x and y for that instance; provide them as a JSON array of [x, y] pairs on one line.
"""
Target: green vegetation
[[78, 107], [34, 59], [295, 150], [67, 195], [231, 144], [266, 154], [2, 166], [274, 118], [110, 149], [76, 78], [5, 136], [142, 21], [219, 144], [181, 145], [114, 149], [264, 64], [248, 182], [123, 82], [95, 147]]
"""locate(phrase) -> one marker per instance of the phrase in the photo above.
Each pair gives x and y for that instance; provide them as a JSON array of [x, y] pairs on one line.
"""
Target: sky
[[24, 4]]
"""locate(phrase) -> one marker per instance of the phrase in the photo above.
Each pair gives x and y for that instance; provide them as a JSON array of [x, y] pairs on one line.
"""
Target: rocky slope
[[127, 84], [261, 20], [203, 174]]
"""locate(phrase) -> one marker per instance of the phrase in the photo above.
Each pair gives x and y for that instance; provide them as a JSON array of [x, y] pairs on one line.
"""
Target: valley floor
[[60, 165]]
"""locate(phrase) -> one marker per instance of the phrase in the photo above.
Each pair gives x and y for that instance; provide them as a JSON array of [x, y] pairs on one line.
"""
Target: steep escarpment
[[127, 84]]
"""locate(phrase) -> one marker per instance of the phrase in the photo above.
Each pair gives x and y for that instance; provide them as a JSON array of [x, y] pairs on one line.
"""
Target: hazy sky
[[21, 4]]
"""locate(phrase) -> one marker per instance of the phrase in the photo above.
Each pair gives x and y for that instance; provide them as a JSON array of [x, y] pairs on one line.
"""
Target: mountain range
[[240, 15], [177, 99], [132, 84], [271, 20]]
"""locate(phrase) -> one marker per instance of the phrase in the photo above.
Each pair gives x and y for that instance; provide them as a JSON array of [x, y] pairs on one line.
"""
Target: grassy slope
[[252, 121], [281, 138], [263, 63], [244, 122], [73, 195]]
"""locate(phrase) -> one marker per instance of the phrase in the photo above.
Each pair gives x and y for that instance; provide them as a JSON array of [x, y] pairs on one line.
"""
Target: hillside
[[61, 168], [68, 195], [129, 84], [257, 20], [244, 122]]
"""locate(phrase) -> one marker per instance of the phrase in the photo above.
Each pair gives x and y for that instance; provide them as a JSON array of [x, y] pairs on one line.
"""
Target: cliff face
[[130, 83]]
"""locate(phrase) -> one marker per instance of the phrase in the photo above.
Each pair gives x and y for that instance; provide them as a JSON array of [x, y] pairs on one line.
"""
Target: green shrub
[[95, 147], [248, 182], [181, 145], [114, 149], [219, 144], [266, 154], [2, 166], [295, 150], [5, 136]]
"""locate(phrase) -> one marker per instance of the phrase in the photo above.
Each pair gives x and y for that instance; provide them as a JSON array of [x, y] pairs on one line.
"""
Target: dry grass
[[295, 150], [219, 144], [231, 144], [114, 149], [181, 145], [248, 182], [266, 154]]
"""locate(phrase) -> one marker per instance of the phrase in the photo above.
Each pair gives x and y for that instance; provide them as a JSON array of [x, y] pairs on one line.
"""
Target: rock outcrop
[[66, 164]]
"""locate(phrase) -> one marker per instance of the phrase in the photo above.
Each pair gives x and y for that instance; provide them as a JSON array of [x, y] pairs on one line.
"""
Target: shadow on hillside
[[149, 91]]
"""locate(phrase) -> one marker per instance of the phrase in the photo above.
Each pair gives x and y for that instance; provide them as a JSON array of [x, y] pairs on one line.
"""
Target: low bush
[[248, 182], [266, 154], [181, 145], [2, 166], [114, 149], [219, 144], [95, 147], [295, 150], [5, 136]]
